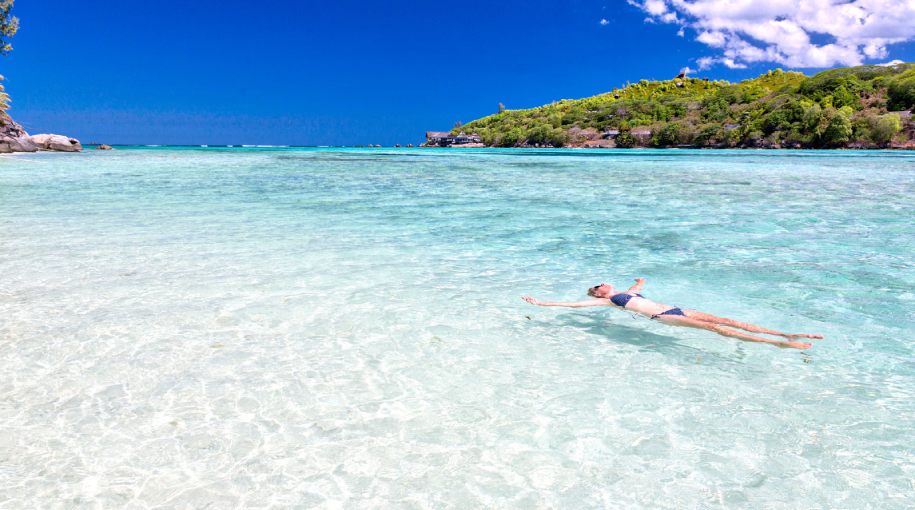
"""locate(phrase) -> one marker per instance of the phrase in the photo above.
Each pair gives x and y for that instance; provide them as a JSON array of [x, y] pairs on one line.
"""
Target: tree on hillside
[[4, 101], [901, 92], [885, 127], [9, 24], [838, 127], [625, 140], [512, 137], [842, 97], [670, 134]]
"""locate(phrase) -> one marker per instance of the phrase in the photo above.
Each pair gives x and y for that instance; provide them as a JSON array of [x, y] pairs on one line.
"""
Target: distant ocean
[[246, 327]]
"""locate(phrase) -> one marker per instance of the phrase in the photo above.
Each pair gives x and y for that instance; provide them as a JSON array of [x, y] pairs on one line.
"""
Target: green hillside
[[835, 108]]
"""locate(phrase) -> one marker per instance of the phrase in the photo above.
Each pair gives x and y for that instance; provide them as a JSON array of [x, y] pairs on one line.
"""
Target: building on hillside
[[463, 138], [610, 134], [444, 139]]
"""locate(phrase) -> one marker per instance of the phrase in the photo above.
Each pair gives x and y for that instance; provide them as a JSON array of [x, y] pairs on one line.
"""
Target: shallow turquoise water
[[343, 328]]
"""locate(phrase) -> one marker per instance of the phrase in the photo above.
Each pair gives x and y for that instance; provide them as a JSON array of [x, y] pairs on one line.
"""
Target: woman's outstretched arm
[[579, 304], [639, 283]]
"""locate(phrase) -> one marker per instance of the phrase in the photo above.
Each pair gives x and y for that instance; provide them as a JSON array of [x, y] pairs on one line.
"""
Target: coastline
[[482, 149], [901, 147]]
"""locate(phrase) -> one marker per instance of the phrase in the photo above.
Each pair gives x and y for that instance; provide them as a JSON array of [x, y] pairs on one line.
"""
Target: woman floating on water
[[632, 301]]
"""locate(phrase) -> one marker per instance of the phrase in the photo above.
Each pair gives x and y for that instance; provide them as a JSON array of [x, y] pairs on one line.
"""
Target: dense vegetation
[[9, 24], [834, 108]]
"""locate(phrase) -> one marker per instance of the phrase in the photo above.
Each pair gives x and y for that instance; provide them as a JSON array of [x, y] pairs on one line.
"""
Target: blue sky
[[351, 72]]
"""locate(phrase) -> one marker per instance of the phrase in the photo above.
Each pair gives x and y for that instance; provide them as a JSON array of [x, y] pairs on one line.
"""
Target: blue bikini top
[[623, 298]]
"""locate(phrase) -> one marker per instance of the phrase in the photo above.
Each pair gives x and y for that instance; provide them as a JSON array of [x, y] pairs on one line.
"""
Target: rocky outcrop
[[13, 138], [19, 144], [104, 147], [56, 143]]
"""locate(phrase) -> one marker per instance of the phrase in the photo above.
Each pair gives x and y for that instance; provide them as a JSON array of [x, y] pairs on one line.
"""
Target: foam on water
[[341, 328]]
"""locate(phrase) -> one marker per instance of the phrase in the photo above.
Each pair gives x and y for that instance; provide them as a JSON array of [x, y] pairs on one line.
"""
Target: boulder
[[24, 144], [13, 136], [19, 144], [103, 147], [56, 143]]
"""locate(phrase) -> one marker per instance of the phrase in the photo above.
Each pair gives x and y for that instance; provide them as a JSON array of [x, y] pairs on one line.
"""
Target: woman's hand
[[530, 300], [639, 282]]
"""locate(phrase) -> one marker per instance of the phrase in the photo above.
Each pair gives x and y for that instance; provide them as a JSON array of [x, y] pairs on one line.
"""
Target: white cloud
[[714, 39], [604, 22], [747, 31], [729, 62], [655, 7], [706, 62]]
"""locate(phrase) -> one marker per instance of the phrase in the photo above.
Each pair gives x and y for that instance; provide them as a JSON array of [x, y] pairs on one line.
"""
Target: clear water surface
[[269, 328]]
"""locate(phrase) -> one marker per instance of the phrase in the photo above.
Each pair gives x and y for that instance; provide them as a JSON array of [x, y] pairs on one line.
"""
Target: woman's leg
[[679, 320], [714, 319]]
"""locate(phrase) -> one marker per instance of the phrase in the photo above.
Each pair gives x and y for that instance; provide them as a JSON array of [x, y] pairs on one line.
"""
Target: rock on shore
[[13, 138], [56, 143]]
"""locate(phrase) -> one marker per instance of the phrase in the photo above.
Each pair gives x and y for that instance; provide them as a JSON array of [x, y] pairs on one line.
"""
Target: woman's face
[[604, 290]]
